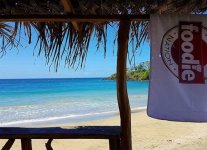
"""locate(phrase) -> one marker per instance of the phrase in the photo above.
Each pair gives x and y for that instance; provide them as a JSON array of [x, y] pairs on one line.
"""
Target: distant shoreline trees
[[138, 72]]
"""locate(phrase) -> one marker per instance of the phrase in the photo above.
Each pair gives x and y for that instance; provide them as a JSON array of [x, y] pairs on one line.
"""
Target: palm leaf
[[60, 41]]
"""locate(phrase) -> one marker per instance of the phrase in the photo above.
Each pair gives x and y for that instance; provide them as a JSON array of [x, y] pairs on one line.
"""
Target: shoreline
[[68, 119], [82, 123], [147, 134], [115, 117]]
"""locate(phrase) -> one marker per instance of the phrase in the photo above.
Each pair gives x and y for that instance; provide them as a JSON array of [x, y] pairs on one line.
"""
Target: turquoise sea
[[33, 102]]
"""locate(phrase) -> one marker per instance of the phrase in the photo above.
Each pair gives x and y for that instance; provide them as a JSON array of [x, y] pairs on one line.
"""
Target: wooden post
[[123, 101], [48, 144], [26, 144], [114, 144]]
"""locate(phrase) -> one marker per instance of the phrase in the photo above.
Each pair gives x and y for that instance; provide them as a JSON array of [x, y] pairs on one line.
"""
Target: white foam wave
[[41, 120], [22, 122], [138, 96], [139, 109]]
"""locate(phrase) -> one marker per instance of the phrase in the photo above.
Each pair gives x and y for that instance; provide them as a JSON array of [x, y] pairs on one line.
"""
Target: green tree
[[138, 72]]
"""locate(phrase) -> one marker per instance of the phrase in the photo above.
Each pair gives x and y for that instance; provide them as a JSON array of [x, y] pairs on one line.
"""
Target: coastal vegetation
[[137, 72]]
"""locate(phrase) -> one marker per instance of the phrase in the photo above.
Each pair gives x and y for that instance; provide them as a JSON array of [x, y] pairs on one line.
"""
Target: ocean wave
[[137, 109], [52, 119], [138, 96], [48, 119]]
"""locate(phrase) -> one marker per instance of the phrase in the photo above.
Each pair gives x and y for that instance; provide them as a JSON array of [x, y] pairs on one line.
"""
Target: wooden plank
[[80, 132], [122, 95], [26, 144], [8, 144], [71, 17], [68, 8]]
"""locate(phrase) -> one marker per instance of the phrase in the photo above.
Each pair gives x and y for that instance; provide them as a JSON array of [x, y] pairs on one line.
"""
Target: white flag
[[178, 79]]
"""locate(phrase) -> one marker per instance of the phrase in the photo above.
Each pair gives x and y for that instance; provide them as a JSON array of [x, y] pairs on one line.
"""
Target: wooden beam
[[67, 6], [72, 17], [26, 144], [68, 9], [72, 132], [122, 95], [8, 144]]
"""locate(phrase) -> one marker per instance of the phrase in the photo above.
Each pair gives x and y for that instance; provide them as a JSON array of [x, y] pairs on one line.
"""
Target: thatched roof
[[69, 41]]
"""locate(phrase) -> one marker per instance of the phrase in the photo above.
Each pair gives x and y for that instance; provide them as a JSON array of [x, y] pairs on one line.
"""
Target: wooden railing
[[111, 133]]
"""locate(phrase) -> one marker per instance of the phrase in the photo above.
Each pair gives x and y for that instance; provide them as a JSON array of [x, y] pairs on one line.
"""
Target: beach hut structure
[[64, 29]]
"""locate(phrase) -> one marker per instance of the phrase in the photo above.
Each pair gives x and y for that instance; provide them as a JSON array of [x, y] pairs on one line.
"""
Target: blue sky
[[22, 63]]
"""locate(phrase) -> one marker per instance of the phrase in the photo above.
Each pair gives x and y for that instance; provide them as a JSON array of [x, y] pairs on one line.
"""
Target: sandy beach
[[147, 133]]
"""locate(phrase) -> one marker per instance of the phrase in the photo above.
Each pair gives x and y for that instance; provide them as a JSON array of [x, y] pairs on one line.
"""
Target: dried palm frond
[[61, 41], [7, 38]]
